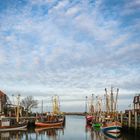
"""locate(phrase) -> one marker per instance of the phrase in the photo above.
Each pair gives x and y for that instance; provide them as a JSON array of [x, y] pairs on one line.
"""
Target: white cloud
[[73, 10], [71, 50], [119, 40], [131, 7]]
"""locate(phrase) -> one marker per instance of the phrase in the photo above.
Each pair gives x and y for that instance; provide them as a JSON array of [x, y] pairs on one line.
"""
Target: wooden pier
[[130, 119]]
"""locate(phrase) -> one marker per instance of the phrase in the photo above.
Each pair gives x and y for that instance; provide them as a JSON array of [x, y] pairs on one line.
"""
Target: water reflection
[[113, 136], [31, 134], [51, 134], [97, 134], [93, 134], [75, 129], [12, 135]]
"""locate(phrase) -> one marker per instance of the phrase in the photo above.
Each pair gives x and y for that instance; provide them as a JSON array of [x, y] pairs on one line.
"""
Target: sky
[[70, 48]]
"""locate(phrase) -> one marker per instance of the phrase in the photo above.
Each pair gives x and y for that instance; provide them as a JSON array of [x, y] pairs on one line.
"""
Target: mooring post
[[136, 119], [129, 118], [121, 117]]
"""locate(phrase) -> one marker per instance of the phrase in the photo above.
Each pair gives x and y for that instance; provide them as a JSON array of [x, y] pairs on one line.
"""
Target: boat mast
[[17, 113], [86, 105], [91, 105], [107, 101], [112, 100], [56, 109], [115, 106]]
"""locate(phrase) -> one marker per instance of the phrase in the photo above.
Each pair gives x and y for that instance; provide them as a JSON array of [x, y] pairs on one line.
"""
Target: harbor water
[[75, 129]]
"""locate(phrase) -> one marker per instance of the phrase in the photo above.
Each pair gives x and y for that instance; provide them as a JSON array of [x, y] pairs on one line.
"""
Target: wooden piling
[[121, 117], [136, 119], [129, 118]]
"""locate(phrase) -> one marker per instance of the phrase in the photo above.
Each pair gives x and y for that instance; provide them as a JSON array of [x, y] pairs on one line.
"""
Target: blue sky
[[72, 48]]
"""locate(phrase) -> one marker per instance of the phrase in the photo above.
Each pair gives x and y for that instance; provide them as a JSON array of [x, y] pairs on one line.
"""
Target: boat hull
[[89, 119], [49, 124], [96, 125], [12, 128], [114, 127]]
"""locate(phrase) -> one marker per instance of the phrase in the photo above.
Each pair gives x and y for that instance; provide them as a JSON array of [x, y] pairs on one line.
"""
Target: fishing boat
[[53, 119], [112, 127], [96, 123], [89, 119], [50, 121], [8, 124], [15, 123], [89, 111], [111, 124], [48, 124]]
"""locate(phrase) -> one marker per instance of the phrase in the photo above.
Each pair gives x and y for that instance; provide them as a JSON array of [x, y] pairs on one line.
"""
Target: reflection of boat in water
[[88, 128], [50, 132], [97, 129], [40, 129], [112, 136], [12, 135]]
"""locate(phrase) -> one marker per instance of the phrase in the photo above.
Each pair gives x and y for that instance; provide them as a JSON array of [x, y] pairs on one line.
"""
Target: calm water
[[75, 129]]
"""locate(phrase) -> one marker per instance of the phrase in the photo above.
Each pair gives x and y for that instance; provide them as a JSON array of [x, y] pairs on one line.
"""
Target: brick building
[[3, 101]]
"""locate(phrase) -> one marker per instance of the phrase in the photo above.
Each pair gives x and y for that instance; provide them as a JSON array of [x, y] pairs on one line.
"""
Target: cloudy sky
[[72, 48]]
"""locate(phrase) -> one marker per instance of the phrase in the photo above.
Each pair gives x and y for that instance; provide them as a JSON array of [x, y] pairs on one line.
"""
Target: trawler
[[111, 124], [53, 119]]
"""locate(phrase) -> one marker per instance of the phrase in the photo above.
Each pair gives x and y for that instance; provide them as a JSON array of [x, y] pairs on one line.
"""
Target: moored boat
[[89, 119], [15, 123], [112, 127], [8, 124], [48, 124], [53, 119], [89, 110], [111, 124], [50, 121], [96, 125], [39, 129]]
